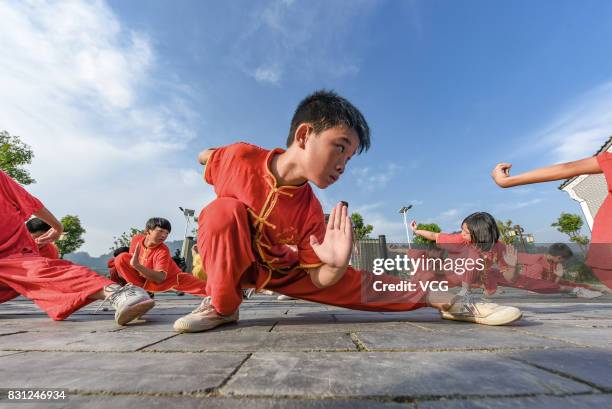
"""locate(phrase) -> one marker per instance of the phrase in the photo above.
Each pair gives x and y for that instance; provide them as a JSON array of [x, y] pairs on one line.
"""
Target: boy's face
[[157, 235], [327, 153]]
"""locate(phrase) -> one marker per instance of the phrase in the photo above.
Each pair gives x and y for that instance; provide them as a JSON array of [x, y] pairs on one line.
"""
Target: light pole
[[188, 213], [404, 211]]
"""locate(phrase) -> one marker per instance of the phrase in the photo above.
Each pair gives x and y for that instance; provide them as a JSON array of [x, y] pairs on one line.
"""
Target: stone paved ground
[[295, 354]]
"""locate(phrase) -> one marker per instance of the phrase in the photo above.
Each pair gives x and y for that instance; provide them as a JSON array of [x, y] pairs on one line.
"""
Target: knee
[[222, 214], [122, 260]]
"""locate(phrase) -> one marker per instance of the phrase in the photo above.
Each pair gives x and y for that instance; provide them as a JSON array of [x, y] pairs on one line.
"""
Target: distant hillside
[[98, 264]]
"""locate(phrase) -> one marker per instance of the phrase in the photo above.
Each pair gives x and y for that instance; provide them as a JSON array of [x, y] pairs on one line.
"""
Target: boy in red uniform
[[37, 228], [265, 203], [58, 287], [149, 265], [599, 257]]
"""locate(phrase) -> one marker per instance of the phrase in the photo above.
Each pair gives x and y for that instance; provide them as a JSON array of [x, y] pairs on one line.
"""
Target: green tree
[[571, 224], [506, 231], [72, 238], [13, 155], [362, 230], [124, 239], [429, 227]]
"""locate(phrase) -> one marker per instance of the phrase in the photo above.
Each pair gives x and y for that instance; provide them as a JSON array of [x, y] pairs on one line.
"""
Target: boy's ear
[[301, 134]]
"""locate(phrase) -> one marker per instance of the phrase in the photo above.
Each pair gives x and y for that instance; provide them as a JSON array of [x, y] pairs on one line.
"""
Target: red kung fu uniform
[[157, 258], [58, 287], [600, 249], [49, 250], [244, 237]]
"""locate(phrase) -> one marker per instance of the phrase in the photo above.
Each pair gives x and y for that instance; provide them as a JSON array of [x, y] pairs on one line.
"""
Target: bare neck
[[286, 169]]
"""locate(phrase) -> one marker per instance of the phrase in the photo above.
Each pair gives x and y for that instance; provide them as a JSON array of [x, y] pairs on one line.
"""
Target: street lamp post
[[404, 211]]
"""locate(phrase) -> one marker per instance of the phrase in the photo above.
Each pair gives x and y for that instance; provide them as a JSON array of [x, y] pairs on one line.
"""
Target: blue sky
[[117, 98]]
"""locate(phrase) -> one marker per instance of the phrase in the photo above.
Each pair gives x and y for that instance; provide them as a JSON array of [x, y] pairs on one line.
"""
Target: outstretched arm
[[335, 251], [429, 235], [204, 156], [501, 173]]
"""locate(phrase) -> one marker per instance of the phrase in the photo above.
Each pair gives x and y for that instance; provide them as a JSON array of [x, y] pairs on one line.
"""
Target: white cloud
[[582, 128], [287, 39], [74, 82], [369, 180]]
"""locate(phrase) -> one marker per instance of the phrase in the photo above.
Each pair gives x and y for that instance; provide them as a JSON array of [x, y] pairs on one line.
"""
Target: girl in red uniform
[[599, 257]]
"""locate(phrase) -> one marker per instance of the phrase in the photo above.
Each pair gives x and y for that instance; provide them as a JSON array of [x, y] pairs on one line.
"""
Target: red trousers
[[58, 287], [174, 281], [604, 275], [224, 242]]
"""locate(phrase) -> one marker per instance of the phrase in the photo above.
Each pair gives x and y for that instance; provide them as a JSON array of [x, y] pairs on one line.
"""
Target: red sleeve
[[605, 163], [214, 163], [453, 243], [314, 225], [223, 161], [24, 202], [49, 250], [446, 238]]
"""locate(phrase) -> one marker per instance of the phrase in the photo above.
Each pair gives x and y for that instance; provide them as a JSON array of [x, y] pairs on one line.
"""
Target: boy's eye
[[341, 148]]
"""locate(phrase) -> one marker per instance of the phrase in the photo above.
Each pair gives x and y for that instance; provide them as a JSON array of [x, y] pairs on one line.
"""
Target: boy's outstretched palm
[[335, 250]]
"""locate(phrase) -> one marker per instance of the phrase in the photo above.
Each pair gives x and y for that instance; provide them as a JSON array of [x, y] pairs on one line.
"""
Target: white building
[[589, 190]]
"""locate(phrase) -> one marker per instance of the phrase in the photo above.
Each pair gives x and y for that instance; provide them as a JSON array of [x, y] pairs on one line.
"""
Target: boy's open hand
[[500, 173], [49, 236], [335, 250], [559, 270], [510, 256], [135, 261]]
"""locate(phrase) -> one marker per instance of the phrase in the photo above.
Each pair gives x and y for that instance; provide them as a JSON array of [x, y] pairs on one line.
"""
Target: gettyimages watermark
[[408, 266]]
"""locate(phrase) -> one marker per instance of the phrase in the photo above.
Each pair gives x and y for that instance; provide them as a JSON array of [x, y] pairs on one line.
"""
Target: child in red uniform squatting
[[600, 248], [264, 203], [37, 228], [58, 287], [549, 268], [149, 265]]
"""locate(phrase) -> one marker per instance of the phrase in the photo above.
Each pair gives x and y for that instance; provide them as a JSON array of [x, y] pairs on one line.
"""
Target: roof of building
[[605, 147]]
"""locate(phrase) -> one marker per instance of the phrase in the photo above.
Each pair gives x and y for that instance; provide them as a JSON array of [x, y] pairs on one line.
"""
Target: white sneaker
[[485, 313], [284, 297], [203, 318], [130, 302], [585, 293]]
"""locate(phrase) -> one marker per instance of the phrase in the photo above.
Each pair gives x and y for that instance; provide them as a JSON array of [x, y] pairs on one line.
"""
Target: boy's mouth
[[334, 178]]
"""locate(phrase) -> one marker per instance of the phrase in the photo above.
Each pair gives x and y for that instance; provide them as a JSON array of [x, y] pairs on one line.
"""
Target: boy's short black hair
[[560, 249], [484, 232], [121, 250], [160, 222], [36, 225], [325, 109]]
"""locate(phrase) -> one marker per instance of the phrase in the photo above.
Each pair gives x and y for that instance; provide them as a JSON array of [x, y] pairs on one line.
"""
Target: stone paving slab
[[177, 402], [591, 365], [540, 402], [118, 372], [392, 374], [418, 339], [256, 341], [74, 341], [597, 336]]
